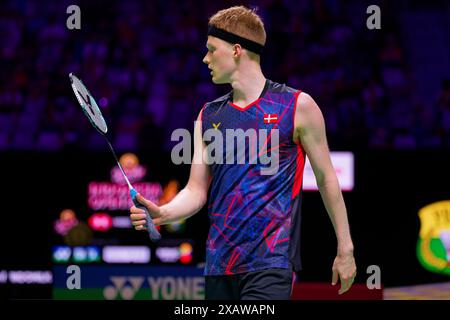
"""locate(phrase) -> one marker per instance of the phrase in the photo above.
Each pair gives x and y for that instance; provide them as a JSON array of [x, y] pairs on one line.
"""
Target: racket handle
[[153, 232]]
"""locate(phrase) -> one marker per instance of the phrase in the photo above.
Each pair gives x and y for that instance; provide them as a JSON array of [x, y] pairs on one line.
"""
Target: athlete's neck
[[247, 85]]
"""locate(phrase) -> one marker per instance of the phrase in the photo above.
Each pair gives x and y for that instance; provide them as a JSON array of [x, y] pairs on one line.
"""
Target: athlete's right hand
[[138, 216]]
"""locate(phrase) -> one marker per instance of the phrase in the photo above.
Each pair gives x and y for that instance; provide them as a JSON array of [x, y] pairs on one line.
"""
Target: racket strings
[[89, 105]]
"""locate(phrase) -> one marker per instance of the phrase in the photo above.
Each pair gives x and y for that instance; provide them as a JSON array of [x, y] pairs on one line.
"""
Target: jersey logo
[[270, 118], [216, 126]]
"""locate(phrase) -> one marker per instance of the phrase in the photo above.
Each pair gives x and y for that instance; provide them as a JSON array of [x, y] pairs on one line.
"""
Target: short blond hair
[[241, 21]]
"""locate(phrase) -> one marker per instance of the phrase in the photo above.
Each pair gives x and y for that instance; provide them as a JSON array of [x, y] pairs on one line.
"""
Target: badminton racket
[[92, 111]]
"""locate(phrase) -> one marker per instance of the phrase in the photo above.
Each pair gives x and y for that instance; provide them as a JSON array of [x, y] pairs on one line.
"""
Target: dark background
[[390, 188], [385, 96]]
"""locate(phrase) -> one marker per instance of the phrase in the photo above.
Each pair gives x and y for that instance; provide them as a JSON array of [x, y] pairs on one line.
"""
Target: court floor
[[436, 291]]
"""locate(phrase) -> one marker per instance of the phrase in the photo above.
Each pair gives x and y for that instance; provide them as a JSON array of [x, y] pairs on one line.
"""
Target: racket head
[[88, 104]]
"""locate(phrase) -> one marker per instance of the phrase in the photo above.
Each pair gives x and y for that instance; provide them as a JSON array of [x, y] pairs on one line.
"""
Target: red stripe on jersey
[[232, 261], [298, 178]]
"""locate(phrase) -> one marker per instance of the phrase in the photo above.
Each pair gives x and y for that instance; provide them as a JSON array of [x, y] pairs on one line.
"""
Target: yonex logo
[[87, 101], [216, 126], [162, 287], [121, 288]]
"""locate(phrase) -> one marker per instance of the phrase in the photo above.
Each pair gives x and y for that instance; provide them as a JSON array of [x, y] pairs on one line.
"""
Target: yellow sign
[[433, 246]]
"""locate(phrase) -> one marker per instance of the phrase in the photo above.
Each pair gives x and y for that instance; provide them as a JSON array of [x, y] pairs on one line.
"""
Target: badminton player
[[253, 244]]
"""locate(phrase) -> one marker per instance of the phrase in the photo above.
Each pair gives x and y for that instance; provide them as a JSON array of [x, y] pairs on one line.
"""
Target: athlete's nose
[[205, 60]]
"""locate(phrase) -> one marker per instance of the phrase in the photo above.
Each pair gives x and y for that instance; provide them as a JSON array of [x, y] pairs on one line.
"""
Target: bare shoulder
[[307, 113], [306, 104]]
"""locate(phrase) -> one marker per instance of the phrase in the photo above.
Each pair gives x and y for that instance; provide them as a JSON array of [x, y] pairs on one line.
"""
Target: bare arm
[[193, 197], [310, 132], [189, 200]]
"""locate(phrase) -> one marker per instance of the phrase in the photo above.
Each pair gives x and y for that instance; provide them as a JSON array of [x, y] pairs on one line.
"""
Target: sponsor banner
[[344, 165], [121, 222], [111, 196], [66, 254], [174, 251], [3, 276], [126, 254], [131, 282], [26, 276], [100, 221]]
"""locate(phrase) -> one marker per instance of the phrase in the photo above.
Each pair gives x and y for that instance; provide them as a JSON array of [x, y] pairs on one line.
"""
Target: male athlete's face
[[219, 59]]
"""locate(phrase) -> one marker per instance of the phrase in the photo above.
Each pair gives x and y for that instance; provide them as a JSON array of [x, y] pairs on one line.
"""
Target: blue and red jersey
[[255, 217]]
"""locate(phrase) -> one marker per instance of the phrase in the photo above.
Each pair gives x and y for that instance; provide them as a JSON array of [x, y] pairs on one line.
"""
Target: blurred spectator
[[443, 105], [143, 63]]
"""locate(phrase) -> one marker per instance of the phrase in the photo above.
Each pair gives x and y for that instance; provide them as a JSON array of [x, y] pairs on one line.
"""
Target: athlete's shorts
[[270, 284]]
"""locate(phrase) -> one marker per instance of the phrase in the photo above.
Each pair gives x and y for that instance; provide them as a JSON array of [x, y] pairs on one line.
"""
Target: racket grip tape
[[153, 232]]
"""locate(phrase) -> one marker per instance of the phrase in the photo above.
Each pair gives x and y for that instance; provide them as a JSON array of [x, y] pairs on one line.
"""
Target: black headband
[[233, 38]]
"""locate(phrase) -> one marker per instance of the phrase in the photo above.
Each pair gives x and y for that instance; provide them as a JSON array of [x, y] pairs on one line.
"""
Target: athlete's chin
[[216, 80]]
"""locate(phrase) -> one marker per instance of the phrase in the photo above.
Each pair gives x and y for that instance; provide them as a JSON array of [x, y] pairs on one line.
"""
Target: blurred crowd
[[142, 60]]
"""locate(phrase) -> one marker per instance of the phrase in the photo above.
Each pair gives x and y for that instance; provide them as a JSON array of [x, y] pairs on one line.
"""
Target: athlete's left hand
[[344, 267]]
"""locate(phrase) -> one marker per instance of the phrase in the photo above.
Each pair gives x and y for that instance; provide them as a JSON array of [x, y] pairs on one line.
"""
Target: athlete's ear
[[237, 50]]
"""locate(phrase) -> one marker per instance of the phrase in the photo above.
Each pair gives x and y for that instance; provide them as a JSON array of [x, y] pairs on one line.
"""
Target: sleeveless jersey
[[254, 217]]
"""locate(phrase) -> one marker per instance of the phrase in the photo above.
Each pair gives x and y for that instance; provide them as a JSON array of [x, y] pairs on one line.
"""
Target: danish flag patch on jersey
[[270, 118]]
